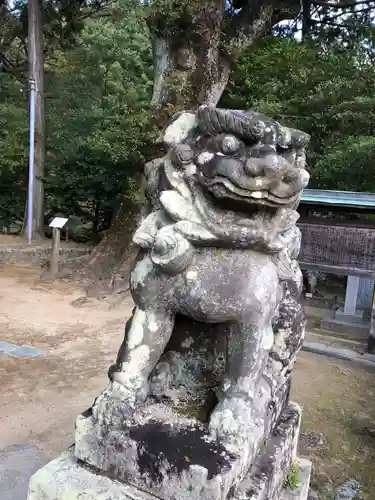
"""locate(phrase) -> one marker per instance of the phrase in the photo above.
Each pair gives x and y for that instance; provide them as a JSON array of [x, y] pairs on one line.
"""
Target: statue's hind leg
[[248, 347]]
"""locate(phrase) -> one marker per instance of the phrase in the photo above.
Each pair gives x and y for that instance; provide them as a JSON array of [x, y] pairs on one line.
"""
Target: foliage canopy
[[98, 83]]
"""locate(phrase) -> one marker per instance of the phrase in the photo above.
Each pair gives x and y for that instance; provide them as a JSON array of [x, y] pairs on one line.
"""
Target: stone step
[[17, 464]]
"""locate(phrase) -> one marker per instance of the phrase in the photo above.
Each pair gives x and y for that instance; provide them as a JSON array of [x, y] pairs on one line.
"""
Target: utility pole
[[30, 191], [35, 212]]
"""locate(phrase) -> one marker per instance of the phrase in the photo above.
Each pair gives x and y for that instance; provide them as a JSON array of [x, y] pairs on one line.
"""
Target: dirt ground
[[40, 397]]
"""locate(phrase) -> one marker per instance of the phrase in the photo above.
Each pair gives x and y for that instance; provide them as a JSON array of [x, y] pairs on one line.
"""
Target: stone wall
[[38, 255]]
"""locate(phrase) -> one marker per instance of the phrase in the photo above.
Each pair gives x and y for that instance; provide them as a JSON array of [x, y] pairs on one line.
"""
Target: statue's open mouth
[[221, 187], [229, 214]]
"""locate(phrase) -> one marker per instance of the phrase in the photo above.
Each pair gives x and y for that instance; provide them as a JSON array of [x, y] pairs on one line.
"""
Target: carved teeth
[[258, 194], [205, 157]]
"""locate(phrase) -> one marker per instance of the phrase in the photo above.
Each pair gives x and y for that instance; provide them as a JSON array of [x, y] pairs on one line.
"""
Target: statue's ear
[[180, 129], [170, 120], [299, 139], [173, 118]]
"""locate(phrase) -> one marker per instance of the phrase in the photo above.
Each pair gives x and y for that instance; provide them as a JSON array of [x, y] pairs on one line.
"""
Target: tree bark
[[306, 20], [194, 52], [36, 73], [189, 67], [115, 245]]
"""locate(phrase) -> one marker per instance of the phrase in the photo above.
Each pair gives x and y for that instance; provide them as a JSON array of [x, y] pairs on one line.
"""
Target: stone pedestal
[[358, 301], [172, 457], [354, 318], [69, 478]]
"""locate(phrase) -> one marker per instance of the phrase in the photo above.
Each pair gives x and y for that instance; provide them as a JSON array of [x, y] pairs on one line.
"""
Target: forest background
[[310, 65]]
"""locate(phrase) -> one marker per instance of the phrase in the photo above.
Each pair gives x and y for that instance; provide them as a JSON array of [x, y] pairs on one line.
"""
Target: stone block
[[69, 478], [343, 317], [351, 330], [159, 452], [173, 461], [265, 479]]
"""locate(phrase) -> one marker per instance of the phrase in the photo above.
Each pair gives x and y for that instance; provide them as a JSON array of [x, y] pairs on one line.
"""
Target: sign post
[[57, 224]]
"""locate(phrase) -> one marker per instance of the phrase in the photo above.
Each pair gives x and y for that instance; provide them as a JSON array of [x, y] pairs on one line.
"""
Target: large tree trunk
[[190, 68], [36, 73], [194, 52]]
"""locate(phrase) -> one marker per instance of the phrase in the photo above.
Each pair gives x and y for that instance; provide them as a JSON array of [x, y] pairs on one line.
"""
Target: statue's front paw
[[113, 406], [144, 239], [119, 392]]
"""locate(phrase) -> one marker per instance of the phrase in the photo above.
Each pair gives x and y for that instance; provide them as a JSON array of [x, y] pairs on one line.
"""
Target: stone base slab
[[65, 478], [342, 317], [173, 460], [69, 478], [352, 330]]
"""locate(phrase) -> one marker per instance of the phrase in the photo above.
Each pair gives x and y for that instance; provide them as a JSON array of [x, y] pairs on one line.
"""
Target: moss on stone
[[292, 479]]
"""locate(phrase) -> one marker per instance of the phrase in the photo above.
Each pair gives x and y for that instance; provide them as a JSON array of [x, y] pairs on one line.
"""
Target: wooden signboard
[[338, 249]]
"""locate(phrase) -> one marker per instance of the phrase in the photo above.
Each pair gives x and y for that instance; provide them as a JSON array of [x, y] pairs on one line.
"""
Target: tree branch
[[6, 66], [254, 20], [19, 63], [85, 212], [341, 5], [336, 25], [327, 18]]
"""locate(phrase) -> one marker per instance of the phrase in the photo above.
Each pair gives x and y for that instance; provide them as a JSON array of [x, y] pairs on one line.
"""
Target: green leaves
[[13, 147], [97, 111], [98, 72], [96, 96], [348, 166], [323, 91]]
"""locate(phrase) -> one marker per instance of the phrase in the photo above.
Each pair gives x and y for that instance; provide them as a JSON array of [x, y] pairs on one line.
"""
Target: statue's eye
[[230, 144]]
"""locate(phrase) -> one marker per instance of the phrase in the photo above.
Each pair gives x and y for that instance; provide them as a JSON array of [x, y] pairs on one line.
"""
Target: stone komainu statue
[[202, 378]]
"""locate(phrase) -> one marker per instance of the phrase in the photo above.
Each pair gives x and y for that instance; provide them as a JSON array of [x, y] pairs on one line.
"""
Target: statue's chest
[[215, 285]]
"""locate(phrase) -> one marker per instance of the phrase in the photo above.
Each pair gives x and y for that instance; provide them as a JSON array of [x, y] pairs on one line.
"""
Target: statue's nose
[[254, 167], [271, 167]]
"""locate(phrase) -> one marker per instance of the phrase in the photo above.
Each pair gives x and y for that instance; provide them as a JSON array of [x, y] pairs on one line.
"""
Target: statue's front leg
[[142, 347], [146, 336]]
